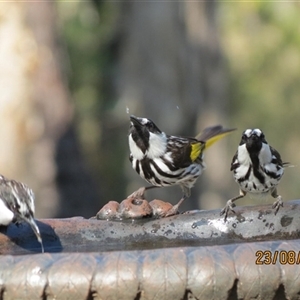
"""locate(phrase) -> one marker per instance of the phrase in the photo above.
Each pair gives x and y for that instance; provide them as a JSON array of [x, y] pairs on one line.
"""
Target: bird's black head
[[140, 129], [253, 138]]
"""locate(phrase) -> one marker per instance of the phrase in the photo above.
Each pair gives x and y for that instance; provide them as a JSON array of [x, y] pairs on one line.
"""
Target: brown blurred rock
[[108, 211], [135, 206], [159, 207], [132, 208]]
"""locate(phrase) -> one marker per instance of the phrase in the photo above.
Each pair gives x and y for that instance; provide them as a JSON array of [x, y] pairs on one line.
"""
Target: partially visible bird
[[257, 168], [167, 160], [17, 204]]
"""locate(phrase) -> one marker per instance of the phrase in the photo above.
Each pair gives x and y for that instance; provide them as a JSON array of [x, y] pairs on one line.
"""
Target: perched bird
[[17, 204], [257, 168], [166, 160]]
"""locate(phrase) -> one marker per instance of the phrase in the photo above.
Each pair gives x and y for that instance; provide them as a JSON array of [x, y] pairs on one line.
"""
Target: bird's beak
[[135, 121]]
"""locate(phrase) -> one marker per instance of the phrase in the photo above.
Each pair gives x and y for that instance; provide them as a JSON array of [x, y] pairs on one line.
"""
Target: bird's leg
[[276, 205], [140, 193], [230, 205], [174, 210]]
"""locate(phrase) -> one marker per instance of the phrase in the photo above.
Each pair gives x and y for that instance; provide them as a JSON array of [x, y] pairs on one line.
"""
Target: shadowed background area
[[71, 71]]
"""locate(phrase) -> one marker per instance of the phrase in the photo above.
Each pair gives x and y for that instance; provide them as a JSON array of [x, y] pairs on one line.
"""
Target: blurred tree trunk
[[171, 70], [35, 110]]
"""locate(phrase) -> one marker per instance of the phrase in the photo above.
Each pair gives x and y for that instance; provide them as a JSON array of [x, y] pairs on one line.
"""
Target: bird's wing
[[185, 150], [234, 163], [276, 157]]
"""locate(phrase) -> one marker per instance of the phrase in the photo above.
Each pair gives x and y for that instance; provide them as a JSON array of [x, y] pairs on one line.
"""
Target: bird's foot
[[173, 210], [277, 204], [228, 207], [138, 194]]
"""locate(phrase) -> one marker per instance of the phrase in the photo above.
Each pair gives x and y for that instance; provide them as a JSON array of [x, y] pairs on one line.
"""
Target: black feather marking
[[246, 177], [277, 156], [272, 174], [256, 167], [137, 166], [162, 173], [181, 151], [171, 166], [234, 165], [148, 173]]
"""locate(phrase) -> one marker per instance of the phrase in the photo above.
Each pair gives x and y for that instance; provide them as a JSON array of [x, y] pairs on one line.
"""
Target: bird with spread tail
[[167, 160], [17, 204], [257, 168]]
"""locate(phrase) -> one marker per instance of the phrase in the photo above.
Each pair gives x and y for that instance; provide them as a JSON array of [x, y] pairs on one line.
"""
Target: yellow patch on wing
[[196, 150]]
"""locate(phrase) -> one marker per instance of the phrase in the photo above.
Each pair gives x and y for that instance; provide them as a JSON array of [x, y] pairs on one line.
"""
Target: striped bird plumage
[[17, 204], [166, 160], [257, 168], [172, 167]]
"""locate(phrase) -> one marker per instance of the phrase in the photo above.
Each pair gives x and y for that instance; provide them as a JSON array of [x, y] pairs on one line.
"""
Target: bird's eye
[[150, 126]]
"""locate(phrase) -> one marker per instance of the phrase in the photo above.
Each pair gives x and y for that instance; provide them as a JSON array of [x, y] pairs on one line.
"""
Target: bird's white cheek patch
[[265, 155], [6, 215], [243, 155], [134, 149], [157, 145]]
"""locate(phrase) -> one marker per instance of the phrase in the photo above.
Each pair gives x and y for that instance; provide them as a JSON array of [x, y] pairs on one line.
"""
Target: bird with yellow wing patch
[[166, 160]]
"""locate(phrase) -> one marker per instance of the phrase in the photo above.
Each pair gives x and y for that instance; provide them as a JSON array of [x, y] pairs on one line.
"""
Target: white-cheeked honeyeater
[[166, 160], [257, 168], [17, 204]]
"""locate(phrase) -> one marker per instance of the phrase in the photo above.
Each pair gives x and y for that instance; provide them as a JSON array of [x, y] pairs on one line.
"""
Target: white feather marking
[[168, 157], [134, 149], [6, 215], [161, 165], [265, 158], [23, 207], [157, 145], [243, 156], [143, 121], [257, 131], [248, 132], [265, 155]]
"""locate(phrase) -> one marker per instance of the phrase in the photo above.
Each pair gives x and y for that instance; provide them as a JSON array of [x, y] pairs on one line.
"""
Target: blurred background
[[72, 72]]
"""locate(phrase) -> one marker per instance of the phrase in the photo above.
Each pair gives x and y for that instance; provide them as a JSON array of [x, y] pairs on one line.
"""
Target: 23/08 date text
[[283, 257]]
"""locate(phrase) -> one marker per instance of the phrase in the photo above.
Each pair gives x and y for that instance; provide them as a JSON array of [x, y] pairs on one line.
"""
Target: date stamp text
[[272, 257]]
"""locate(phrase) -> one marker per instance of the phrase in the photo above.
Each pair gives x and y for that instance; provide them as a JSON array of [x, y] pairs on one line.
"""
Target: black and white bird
[[17, 204], [166, 160], [257, 168]]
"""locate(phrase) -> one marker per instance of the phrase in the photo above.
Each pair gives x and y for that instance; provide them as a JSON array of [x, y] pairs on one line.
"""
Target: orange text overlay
[[279, 256]]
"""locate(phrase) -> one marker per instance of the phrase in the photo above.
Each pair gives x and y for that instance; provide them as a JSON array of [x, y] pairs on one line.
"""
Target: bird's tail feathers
[[288, 165], [212, 134]]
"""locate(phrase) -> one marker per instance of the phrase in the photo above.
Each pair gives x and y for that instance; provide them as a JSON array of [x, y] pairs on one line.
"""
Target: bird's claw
[[228, 207], [171, 212], [277, 204], [174, 210], [138, 194]]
